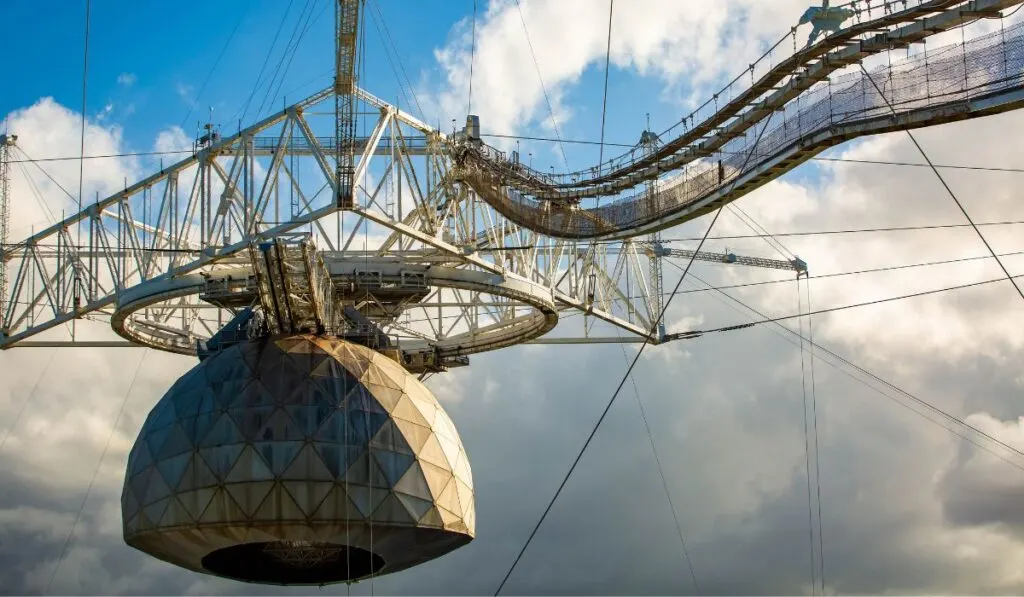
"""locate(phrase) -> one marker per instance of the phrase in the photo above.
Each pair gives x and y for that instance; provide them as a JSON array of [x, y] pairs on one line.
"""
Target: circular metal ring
[[516, 330]]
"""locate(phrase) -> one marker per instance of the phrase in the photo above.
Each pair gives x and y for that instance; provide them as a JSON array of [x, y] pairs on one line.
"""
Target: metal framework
[[173, 257], [6, 143], [345, 79], [435, 245], [794, 111]]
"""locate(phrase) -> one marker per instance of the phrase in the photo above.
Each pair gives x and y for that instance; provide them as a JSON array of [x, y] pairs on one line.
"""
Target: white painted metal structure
[[432, 258]]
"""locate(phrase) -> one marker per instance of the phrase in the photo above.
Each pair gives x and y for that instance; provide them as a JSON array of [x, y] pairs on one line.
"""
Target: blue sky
[[148, 66], [170, 53]]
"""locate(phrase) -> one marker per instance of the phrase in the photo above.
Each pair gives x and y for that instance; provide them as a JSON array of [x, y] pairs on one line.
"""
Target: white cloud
[[674, 41], [185, 92], [127, 79], [172, 139], [103, 114], [47, 130]]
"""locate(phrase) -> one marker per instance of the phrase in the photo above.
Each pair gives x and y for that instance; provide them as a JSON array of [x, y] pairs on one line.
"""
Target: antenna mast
[[346, 38]]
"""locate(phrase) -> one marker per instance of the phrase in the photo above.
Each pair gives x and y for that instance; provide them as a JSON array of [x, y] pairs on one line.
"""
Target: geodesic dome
[[298, 460]]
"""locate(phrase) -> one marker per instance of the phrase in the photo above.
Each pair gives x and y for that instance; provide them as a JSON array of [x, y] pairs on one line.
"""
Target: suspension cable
[[661, 471], [817, 451], [551, 110], [266, 60], [907, 395], [698, 333], [607, 65], [76, 291], [807, 439], [472, 58], [942, 180], [398, 58], [852, 231], [216, 63]]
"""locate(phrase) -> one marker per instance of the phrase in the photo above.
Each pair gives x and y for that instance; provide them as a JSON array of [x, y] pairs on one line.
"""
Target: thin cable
[[814, 159], [847, 231], [551, 110], [730, 328], [807, 440], [920, 401], [761, 232], [552, 139], [853, 273], [917, 165], [607, 64], [102, 156], [661, 470], [92, 481], [301, 26], [366, 233], [54, 181], [472, 58], [266, 60], [284, 53], [661, 473], [216, 62], [401, 64], [81, 162], [21, 411], [817, 451], [618, 389], [597, 426], [946, 186], [295, 50]]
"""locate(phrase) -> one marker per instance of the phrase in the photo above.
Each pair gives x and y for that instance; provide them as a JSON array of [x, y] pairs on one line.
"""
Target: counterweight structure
[[346, 268]]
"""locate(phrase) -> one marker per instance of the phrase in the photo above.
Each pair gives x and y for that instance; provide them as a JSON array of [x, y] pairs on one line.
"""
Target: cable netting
[[954, 82]]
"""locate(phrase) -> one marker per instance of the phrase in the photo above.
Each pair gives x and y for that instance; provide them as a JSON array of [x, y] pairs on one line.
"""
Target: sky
[[907, 507]]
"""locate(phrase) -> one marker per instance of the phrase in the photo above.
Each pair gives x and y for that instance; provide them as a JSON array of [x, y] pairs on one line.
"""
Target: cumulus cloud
[[127, 79], [673, 41]]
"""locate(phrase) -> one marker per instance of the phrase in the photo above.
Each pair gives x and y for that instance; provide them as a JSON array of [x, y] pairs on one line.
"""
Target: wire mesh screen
[[928, 88]]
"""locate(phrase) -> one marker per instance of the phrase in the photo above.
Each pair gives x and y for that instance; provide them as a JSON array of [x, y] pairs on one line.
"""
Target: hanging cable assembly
[[95, 473], [814, 415], [811, 435], [636, 392], [618, 389], [288, 47], [807, 440]]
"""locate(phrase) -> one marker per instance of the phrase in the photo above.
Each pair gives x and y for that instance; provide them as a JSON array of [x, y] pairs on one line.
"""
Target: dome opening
[[293, 562]]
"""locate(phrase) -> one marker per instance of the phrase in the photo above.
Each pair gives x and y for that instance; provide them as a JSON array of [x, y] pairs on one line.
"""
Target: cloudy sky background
[[907, 507]]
